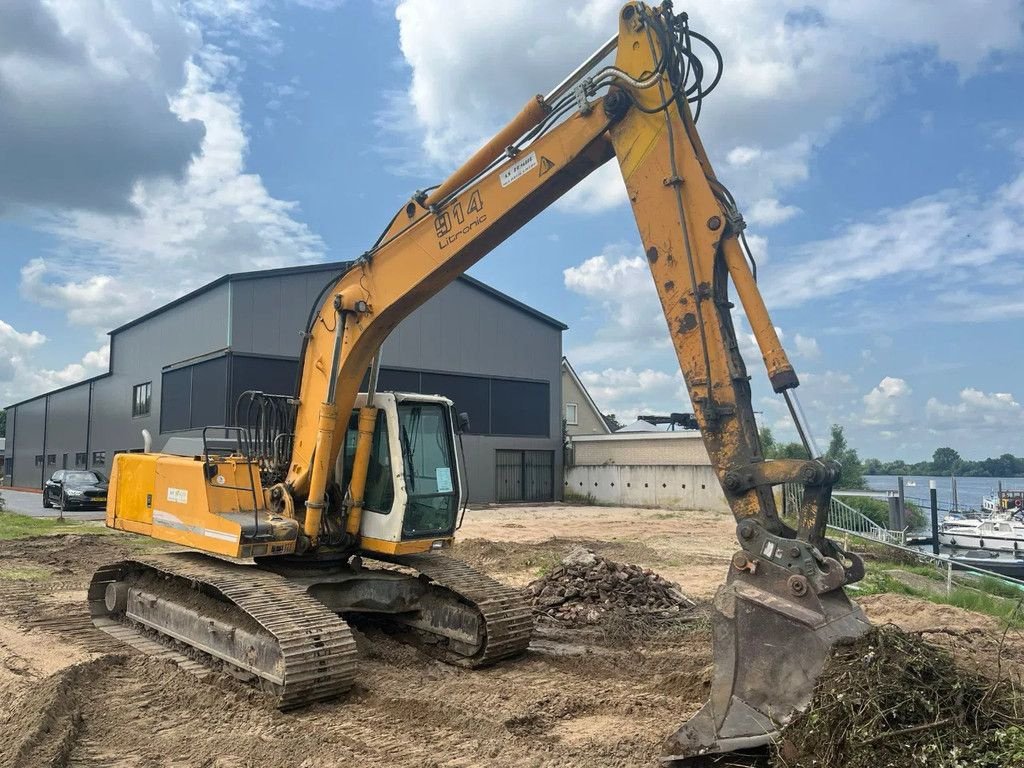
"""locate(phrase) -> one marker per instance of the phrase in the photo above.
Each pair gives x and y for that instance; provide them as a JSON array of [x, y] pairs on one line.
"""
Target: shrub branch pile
[[585, 588], [891, 699]]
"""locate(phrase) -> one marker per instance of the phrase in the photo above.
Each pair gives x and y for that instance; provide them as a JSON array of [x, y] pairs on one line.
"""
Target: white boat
[[999, 532]]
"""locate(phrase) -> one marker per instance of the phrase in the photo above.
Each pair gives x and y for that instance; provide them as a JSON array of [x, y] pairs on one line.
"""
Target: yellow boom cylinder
[[321, 466], [780, 370], [360, 465], [529, 117]]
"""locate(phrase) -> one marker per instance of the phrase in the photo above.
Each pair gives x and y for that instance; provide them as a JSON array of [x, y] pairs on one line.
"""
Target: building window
[[99, 457], [141, 396], [80, 459], [8, 467], [571, 414], [39, 459], [51, 460]]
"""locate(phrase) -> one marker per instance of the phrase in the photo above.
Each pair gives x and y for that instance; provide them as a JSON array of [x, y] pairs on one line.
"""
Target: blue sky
[[877, 152]]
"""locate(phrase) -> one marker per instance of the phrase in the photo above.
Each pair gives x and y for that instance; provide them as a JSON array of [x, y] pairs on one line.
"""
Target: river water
[[970, 490]]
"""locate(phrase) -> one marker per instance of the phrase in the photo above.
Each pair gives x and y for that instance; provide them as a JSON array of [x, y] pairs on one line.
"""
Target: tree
[[772, 449], [873, 467], [614, 423], [852, 475], [945, 461]]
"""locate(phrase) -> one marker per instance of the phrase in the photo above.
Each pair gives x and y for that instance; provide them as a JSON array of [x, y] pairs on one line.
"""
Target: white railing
[[845, 518]]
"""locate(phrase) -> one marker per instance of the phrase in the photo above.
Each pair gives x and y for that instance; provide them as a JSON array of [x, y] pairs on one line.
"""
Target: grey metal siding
[[268, 314], [28, 443], [139, 354], [66, 424]]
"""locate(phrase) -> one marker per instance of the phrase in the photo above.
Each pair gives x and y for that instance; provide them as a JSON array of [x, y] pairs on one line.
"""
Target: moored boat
[[999, 532], [999, 563]]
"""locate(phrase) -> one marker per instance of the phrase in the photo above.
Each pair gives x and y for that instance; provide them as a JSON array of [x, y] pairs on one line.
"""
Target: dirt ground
[[70, 696]]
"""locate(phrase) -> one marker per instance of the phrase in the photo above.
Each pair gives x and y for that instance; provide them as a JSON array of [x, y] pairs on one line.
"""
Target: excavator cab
[[413, 490]]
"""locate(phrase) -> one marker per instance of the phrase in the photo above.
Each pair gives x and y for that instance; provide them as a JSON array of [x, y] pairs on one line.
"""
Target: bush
[[877, 511]]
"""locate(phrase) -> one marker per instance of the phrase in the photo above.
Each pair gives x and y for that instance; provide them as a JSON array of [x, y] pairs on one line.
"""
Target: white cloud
[[945, 238], [600, 191], [22, 376], [85, 89], [976, 410], [768, 212], [806, 346], [124, 140], [886, 404], [13, 345], [801, 70], [218, 218], [620, 287], [628, 393]]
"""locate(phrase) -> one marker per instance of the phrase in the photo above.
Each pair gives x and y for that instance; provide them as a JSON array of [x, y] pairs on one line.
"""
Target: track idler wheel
[[771, 638]]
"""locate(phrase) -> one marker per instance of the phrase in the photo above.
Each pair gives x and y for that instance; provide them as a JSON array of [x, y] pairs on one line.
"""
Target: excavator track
[[506, 617], [311, 650]]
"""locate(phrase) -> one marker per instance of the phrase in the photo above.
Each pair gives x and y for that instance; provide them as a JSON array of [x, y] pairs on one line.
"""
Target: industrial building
[[182, 367]]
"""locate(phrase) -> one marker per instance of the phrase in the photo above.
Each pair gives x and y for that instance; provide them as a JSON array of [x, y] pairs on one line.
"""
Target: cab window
[[379, 494], [428, 461]]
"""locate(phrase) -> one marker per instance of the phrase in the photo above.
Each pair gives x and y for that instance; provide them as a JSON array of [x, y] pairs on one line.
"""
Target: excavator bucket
[[771, 641]]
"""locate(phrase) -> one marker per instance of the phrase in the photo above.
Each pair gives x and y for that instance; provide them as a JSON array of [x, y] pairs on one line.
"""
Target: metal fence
[[843, 517], [846, 519]]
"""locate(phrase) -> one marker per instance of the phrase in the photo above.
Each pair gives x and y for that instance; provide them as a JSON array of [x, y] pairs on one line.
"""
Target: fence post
[[903, 502], [935, 516], [949, 577], [895, 519]]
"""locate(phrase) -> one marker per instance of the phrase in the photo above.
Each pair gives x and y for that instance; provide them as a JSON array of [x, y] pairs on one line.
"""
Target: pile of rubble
[[585, 588]]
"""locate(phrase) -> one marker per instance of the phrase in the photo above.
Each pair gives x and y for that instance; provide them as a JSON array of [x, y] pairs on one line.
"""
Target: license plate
[[99, 498]]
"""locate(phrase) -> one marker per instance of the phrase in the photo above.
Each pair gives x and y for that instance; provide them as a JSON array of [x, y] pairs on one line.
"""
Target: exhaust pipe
[[147, 441]]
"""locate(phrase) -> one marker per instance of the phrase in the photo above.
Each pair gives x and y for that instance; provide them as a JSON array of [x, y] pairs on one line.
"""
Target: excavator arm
[[783, 605]]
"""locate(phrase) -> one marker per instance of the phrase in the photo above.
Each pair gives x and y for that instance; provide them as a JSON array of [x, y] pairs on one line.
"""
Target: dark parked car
[[75, 489]]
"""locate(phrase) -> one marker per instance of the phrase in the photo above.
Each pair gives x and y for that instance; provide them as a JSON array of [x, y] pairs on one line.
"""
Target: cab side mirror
[[463, 422]]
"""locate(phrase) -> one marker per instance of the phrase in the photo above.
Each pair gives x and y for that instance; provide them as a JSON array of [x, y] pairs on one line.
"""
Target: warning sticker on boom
[[518, 169]]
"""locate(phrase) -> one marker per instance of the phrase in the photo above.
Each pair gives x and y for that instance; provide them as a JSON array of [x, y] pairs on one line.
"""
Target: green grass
[[15, 526], [585, 499], [999, 587], [1006, 610], [24, 573]]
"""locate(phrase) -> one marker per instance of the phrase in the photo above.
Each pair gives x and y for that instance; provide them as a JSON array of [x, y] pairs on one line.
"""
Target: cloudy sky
[[876, 148]]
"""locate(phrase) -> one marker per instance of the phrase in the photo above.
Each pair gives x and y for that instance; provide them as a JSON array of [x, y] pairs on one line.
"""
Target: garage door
[[525, 475]]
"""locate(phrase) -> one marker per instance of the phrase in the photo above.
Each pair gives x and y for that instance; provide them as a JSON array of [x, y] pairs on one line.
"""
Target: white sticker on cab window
[[177, 495], [444, 480]]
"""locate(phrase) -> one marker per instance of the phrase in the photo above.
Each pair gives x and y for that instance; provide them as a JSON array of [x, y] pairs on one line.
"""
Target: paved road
[[32, 504]]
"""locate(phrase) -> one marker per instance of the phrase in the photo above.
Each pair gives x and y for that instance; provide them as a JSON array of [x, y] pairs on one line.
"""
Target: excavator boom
[[782, 606]]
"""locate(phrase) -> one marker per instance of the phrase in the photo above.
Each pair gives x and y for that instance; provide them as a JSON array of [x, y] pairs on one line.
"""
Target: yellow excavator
[[332, 502]]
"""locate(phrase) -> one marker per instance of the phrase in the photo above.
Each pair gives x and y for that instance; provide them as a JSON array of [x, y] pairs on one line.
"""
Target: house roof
[[590, 401]]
